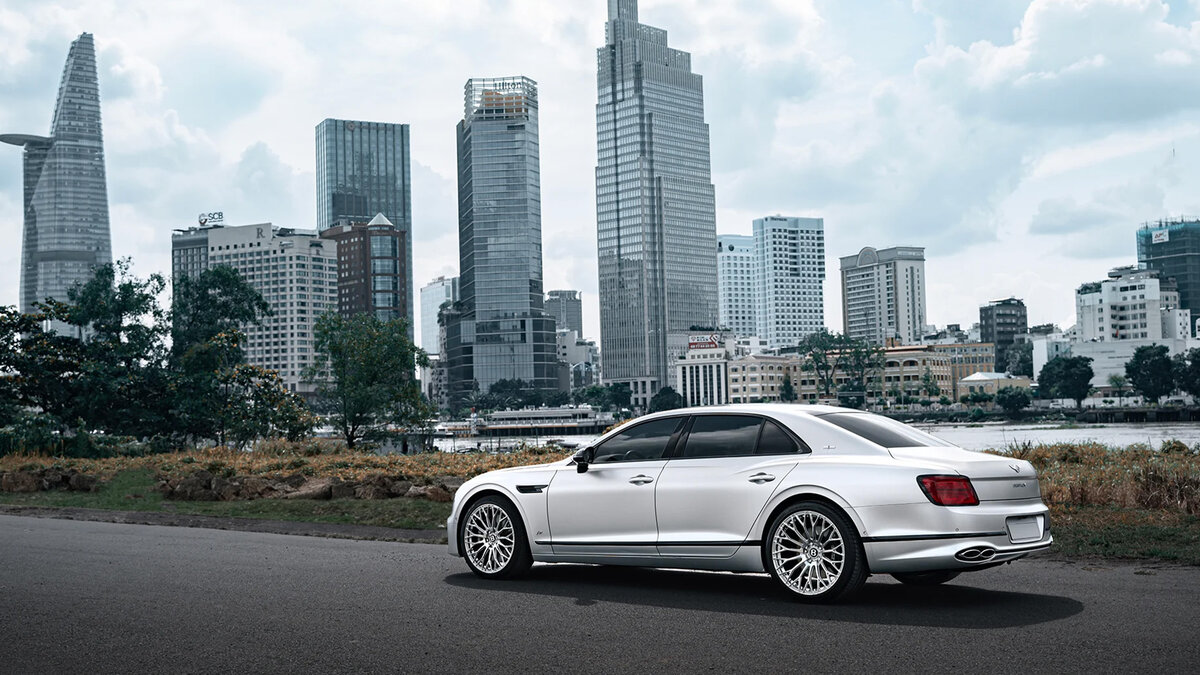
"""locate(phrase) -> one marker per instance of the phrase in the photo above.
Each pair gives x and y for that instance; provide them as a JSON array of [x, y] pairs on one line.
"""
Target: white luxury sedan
[[819, 497]]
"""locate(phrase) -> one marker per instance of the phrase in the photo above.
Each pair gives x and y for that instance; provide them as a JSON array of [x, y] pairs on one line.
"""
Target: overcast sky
[[1020, 143]]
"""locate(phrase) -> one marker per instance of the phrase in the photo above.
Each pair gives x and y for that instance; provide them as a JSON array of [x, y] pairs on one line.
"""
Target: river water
[[971, 437]]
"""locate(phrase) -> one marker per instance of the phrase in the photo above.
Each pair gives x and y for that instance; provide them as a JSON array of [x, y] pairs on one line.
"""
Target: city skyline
[[179, 143]]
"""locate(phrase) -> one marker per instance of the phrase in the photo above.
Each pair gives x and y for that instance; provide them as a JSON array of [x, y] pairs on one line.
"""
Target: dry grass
[[1091, 474]]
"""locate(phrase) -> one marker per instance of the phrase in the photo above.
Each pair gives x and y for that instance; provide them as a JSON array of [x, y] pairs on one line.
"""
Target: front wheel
[[925, 578], [814, 552], [494, 541]]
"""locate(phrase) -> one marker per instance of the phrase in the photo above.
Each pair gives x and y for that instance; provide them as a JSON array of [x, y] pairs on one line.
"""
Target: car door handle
[[761, 478], [641, 479]]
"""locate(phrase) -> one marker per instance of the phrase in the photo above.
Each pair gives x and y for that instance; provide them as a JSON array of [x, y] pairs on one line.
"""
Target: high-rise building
[[1131, 304], [1000, 322], [65, 201], [1173, 248], [363, 171], [883, 294], [189, 248], [372, 276], [567, 309], [737, 283], [433, 296], [296, 273], [499, 329], [790, 258], [655, 209], [772, 282]]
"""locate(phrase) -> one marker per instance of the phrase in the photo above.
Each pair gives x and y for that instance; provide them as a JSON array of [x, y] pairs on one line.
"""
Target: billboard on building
[[711, 341], [1160, 236]]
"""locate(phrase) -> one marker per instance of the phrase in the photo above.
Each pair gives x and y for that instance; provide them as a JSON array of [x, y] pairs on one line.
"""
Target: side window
[[721, 436], [776, 441], [643, 441]]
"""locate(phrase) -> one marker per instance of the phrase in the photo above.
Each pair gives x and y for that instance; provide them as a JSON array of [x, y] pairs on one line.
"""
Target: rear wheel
[[494, 541], [814, 552], [925, 578]]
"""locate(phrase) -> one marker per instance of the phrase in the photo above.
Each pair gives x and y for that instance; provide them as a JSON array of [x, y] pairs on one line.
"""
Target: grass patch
[[134, 491], [1118, 532]]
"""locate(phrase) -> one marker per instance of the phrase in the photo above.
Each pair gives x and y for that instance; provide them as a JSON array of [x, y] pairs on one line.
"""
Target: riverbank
[[1129, 502]]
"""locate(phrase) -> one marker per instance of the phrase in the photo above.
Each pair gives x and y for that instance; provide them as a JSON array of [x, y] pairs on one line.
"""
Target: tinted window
[[644, 441], [775, 441], [721, 436], [883, 431]]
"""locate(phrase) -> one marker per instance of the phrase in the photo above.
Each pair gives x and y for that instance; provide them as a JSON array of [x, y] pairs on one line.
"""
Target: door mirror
[[583, 458]]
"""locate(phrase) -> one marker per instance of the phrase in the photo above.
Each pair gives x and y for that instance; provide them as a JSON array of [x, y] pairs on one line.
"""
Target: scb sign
[[213, 218]]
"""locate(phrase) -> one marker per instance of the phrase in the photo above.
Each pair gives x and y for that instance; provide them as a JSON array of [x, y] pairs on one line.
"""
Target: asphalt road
[[101, 597]]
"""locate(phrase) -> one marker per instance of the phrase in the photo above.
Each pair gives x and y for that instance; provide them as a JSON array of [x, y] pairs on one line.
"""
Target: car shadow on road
[[957, 604]]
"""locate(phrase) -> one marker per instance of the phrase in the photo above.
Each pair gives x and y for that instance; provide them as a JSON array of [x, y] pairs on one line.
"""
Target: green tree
[[1066, 377], [787, 392], [218, 300], [929, 383], [364, 372], [819, 352], [114, 377], [1118, 382], [666, 399], [1013, 400], [1150, 372], [859, 361], [945, 400], [620, 395], [1187, 371], [1020, 359]]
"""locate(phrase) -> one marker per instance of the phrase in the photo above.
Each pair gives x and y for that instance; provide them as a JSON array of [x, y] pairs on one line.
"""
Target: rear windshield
[[884, 431]]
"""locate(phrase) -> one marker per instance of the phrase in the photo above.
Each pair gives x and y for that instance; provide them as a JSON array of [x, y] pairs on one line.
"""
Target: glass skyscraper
[[655, 209], [499, 329], [1173, 248], [66, 197], [363, 171]]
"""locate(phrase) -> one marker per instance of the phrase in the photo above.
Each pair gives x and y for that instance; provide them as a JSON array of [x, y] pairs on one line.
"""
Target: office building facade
[[65, 203], [567, 309], [296, 273], [1172, 247], [883, 294], [499, 328], [372, 274], [790, 259], [655, 205], [737, 284], [433, 295], [1000, 322], [363, 171], [1131, 304]]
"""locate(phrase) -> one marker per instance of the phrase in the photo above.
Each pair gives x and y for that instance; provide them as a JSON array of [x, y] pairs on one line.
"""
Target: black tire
[[479, 547], [853, 563], [925, 578]]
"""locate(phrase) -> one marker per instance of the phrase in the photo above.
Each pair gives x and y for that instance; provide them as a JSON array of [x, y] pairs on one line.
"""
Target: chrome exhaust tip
[[976, 554]]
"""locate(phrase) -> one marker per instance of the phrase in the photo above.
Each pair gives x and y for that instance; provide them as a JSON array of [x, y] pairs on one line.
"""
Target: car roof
[[758, 408]]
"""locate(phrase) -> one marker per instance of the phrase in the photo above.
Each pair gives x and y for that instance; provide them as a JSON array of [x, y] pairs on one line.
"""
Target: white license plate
[[1024, 528]]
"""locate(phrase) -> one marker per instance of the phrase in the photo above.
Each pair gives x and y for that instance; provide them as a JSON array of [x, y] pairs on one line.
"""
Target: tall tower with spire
[[655, 205], [66, 196]]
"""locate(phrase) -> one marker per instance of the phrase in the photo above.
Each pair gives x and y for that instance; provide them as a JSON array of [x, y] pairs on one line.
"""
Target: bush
[[1172, 446], [977, 414]]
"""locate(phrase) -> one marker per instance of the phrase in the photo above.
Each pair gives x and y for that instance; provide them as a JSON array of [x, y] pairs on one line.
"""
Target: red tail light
[[949, 490]]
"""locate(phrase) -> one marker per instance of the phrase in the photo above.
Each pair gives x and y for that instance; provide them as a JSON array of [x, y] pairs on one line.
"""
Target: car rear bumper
[[955, 538]]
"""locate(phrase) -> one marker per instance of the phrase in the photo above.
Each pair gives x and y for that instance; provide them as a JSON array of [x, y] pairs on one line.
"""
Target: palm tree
[[1119, 382]]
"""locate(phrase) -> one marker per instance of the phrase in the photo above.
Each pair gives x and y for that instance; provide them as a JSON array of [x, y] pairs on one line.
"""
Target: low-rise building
[[990, 383], [967, 359]]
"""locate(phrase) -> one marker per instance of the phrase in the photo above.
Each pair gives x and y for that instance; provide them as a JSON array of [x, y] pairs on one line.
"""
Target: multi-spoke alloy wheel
[[493, 540], [814, 552]]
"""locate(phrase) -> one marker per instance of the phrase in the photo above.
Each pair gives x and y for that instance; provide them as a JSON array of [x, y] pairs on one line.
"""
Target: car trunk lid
[[994, 478]]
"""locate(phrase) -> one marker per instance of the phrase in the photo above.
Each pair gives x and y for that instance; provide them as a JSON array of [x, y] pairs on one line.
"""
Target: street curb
[[304, 529]]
